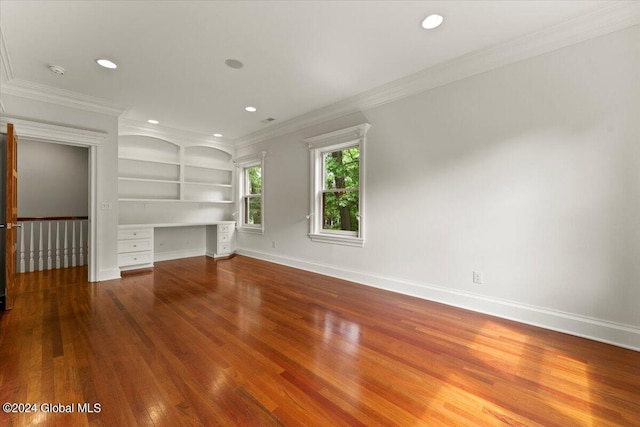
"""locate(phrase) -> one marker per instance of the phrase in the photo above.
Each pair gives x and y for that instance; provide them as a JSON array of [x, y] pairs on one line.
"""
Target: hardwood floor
[[245, 342]]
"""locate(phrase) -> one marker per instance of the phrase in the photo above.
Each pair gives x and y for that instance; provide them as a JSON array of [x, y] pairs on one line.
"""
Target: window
[[341, 190], [337, 186], [251, 186], [252, 212]]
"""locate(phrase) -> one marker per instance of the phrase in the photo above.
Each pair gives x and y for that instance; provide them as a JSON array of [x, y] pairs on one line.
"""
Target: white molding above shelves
[[180, 137]]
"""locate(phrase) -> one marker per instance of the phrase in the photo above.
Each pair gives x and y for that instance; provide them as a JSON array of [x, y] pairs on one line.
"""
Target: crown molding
[[45, 132], [6, 69], [607, 19], [39, 92], [341, 136], [180, 137], [44, 93]]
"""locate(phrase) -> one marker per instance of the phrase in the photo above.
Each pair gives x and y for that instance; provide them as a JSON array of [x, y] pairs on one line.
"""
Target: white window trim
[[242, 163], [318, 145]]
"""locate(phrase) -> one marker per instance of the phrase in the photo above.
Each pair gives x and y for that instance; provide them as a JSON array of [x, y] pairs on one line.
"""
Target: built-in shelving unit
[[154, 170]]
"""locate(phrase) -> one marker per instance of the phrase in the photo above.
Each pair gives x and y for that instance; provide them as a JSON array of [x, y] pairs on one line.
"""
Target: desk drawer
[[142, 233], [134, 245], [134, 258], [224, 237], [225, 228]]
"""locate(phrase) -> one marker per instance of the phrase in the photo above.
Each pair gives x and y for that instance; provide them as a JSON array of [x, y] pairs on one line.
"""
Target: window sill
[[251, 230], [337, 239]]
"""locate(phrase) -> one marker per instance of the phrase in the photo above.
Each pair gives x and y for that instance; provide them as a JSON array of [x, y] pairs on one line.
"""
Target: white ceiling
[[299, 56]]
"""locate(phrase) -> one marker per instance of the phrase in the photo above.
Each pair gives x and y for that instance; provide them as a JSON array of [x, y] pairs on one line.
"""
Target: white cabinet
[[135, 247], [220, 239], [152, 169]]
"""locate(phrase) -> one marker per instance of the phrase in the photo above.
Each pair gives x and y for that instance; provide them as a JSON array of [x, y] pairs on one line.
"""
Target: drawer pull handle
[[135, 246]]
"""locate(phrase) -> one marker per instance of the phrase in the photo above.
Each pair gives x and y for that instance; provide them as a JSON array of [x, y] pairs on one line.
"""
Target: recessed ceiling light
[[234, 63], [106, 63], [57, 69], [251, 109], [432, 21], [153, 122], [217, 135]]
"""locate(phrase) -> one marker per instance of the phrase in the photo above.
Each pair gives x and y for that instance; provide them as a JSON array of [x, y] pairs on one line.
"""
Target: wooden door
[[11, 217]]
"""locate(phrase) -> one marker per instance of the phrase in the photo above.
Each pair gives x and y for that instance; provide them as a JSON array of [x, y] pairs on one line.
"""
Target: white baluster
[[22, 267], [66, 249], [73, 243], [86, 246], [81, 244], [57, 244], [40, 249], [49, 263], [31, 257]]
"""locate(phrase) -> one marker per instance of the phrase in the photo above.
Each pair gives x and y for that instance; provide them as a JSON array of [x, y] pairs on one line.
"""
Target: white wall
[[179, 242], [106, 220], [53, 179], [529, 173]]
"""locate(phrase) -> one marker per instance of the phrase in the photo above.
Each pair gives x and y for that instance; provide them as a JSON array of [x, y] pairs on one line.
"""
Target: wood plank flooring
[[246, 342]]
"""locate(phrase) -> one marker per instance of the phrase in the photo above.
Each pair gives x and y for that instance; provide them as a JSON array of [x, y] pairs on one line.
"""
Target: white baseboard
[[618, 334], [213, 255], [187, 253], [111, 274]]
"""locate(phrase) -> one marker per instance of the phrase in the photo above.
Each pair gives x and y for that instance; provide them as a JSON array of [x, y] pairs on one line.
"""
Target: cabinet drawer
[[224, 237], [134, 245], [134, 258], [225, 228], [143, 233], [224, 248]]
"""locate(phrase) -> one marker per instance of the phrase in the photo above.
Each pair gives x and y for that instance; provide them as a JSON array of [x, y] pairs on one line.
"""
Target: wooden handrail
[[51, 218]]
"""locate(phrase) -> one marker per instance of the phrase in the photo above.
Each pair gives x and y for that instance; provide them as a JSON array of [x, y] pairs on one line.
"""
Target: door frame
[[43, 132]]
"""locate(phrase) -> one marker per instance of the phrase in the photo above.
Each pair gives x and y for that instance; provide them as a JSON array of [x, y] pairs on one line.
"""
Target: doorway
[[53, 206], [91, 140]]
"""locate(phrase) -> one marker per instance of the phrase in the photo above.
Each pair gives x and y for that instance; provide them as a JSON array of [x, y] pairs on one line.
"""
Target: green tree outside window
[[253, 197], [341, 193]]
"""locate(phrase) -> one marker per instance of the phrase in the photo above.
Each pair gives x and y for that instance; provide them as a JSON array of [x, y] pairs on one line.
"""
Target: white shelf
[[208, 167], [165, 181], [176, 200], [160, 162], [208, 184], [154, 170]]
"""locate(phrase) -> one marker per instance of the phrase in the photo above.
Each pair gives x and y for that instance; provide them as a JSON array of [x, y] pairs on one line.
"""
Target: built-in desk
[[136, 248]]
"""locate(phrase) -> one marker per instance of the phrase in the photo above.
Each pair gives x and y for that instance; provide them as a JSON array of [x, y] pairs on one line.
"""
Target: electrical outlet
[[106, 205], [477, 277]]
